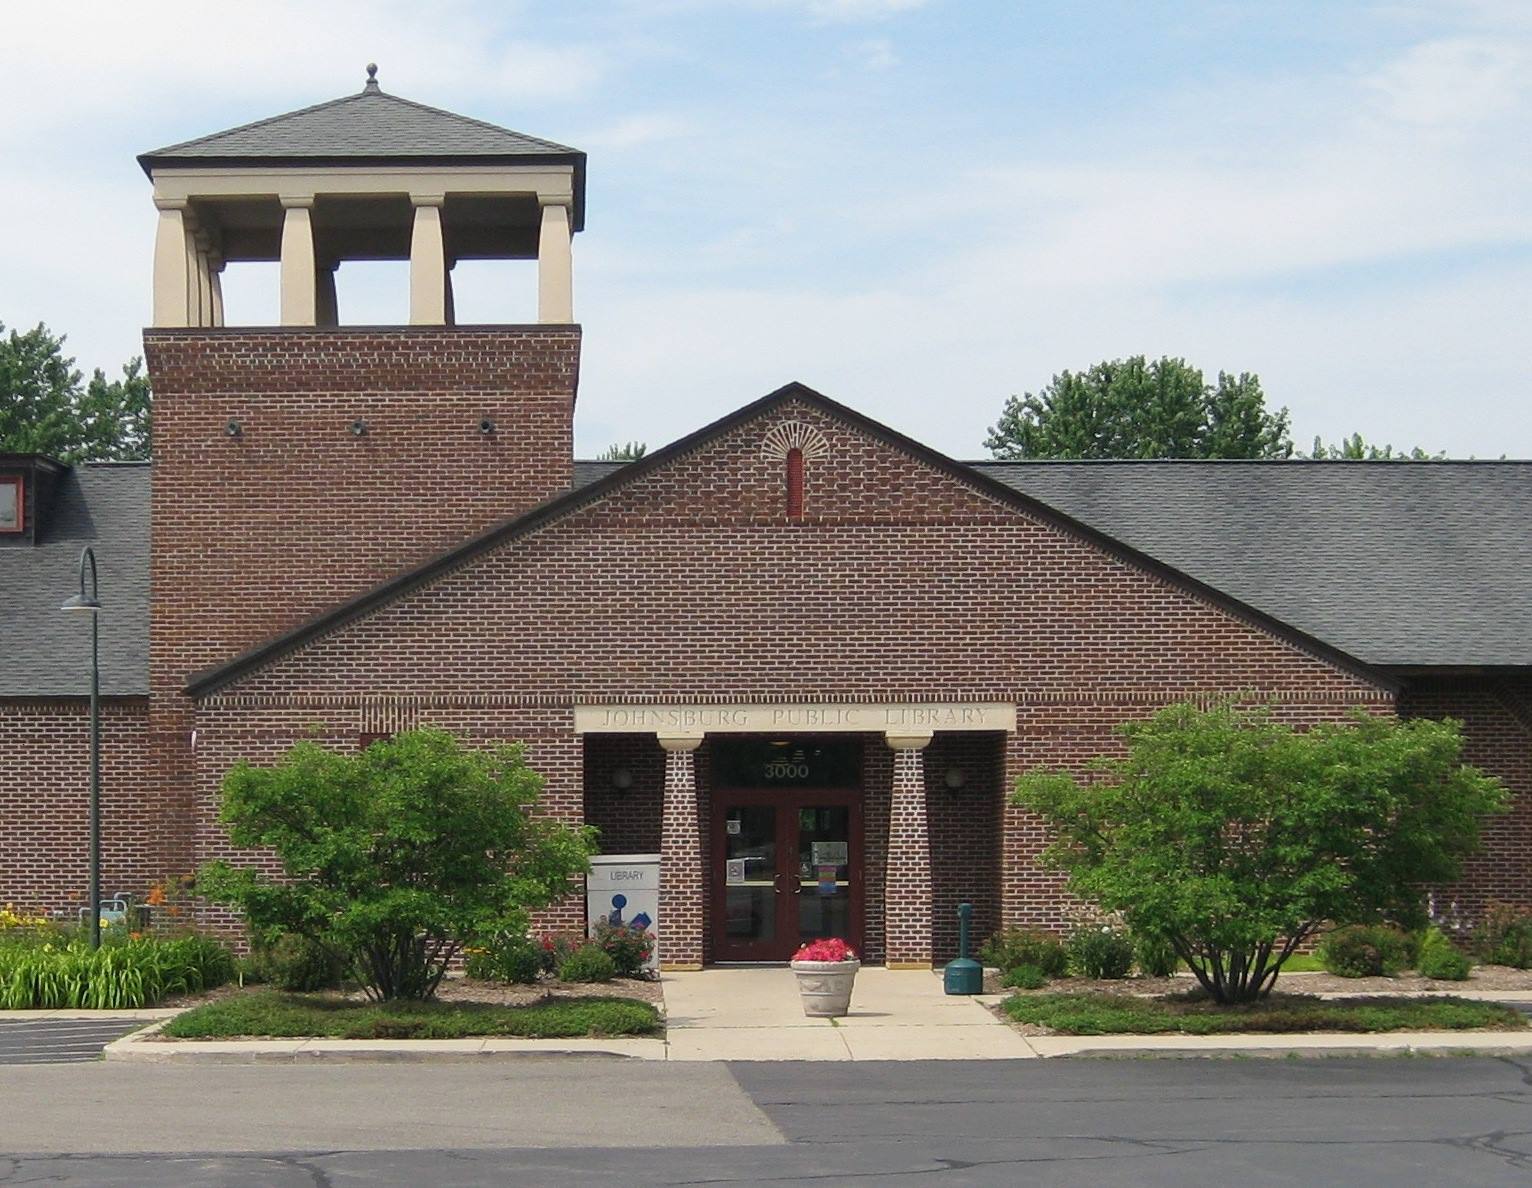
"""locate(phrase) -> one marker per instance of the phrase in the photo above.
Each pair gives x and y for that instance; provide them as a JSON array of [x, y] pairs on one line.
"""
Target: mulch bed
[[1483, 977]]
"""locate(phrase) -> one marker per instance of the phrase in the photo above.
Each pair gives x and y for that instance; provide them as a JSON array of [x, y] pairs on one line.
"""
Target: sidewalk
[[755, 1014]]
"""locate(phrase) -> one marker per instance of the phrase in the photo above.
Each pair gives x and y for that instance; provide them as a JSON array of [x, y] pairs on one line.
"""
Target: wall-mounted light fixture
[[956, 779], [234, 428], [359, 428], [486, 425], [622, 779]]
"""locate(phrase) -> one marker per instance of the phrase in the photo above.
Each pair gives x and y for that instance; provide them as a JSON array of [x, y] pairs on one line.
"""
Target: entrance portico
[[835, 836]]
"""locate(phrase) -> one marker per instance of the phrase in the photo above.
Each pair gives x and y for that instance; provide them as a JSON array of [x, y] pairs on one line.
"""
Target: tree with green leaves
[[397, 856], [47, 408], [623, 451], [1130, 408], [1355, 449], [1235, 838]]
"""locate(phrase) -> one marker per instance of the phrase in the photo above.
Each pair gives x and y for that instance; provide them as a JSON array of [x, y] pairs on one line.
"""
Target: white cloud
[[1458, 82], [876, 53]]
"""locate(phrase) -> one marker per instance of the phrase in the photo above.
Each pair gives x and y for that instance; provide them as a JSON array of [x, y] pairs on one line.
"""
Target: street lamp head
[[78, 602]]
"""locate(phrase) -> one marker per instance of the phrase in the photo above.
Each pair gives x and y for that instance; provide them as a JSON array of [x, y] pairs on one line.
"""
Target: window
[[12, 504]]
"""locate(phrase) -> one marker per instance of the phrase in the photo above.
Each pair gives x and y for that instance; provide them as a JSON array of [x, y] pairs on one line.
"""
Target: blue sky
[[916, 206]]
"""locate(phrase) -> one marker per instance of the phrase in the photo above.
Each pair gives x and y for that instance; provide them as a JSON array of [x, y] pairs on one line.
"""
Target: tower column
[[907, 892], [298, 278], [204, 243], [171, 307], [555, 263], [215, 280], [680, 857], [428, 263]]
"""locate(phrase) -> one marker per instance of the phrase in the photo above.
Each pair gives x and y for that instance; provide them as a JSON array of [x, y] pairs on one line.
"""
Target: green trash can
[[964, 975]]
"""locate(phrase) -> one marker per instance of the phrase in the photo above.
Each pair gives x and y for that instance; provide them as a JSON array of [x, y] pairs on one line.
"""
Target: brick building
[[796, 653]]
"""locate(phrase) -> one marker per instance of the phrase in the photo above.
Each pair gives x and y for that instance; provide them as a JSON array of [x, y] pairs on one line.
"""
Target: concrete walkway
[[755, 1014]]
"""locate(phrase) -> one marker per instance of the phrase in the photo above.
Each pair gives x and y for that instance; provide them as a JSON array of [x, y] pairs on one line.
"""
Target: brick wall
[[899, 583], [255, 532], [45, 798], [1496, 714]]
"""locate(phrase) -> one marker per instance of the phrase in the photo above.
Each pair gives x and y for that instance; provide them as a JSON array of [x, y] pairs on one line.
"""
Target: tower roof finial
[[372, 78]]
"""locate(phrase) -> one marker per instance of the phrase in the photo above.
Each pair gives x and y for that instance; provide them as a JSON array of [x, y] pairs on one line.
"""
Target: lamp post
[[91, 605]]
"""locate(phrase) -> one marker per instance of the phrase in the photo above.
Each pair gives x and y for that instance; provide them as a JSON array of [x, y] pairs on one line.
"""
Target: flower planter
[[825, 986]]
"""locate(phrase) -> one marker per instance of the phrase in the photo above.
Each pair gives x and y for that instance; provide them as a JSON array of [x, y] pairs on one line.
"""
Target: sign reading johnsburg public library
[[884, 717]]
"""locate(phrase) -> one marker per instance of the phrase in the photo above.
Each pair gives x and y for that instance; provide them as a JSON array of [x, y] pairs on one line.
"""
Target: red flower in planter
[[830, 949]]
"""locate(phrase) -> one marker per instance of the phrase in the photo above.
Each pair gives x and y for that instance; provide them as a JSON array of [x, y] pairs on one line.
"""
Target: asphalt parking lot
[[58, 1041]]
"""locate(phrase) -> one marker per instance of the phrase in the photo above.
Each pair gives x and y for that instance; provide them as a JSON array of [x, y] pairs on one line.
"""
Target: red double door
[[787, 868]]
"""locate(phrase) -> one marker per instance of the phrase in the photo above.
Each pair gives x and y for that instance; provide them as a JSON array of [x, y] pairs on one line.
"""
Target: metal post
[[90, 603], [95, 776]]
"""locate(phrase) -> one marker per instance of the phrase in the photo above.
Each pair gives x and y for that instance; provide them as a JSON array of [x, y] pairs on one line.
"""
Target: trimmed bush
[[588, 964], [1100, 951], [293, 962], [628, 947], [1023, 946], [511, 959], [1441, 959], [1156, 956], [1025, 977], [1504, 937], [1367, 951]]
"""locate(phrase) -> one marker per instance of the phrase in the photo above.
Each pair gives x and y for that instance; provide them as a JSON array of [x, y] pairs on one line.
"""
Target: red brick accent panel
[[628, 820], [681, 884], [966, 832], [907, 882], [1496, 714], [45, 797]]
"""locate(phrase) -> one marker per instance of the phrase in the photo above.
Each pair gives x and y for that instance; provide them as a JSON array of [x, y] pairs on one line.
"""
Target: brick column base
[[907, 893], [680, 923]]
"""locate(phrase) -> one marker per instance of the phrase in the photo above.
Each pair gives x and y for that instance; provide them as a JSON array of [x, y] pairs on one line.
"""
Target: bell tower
[[369, 176], [299, 465]]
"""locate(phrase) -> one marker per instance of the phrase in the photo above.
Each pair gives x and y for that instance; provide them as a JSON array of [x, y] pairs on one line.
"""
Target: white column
[[298, 295], [428, 263], [171, 307], [555, 264]]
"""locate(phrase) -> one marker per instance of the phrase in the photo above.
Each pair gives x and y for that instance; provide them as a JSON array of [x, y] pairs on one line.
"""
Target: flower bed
[[47, 969]]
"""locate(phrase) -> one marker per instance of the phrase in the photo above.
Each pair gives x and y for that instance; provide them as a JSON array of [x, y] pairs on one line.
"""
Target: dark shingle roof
[[1396, 563], [45, 652], [370, 125]]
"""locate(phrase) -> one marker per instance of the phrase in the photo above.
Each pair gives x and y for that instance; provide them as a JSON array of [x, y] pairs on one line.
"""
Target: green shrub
[[1504, 936], [1441, 959], [508, 959], [293, 962], [135, 973], [1156, 955], [1367, 951], [1024, 946], [628, 947], [1100, 951], [588, 964], [1025, 977]]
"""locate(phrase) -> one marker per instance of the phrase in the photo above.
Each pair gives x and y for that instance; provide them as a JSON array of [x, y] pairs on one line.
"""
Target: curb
[[1417, 1043], [142, 1047]]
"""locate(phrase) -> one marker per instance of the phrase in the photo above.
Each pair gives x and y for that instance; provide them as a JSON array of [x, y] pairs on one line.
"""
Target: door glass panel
[[750, 867], [824, 871]]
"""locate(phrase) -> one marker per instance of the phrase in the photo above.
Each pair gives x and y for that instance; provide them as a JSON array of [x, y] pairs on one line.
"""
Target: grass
[[272, 1014], [1123, 1014], [1303, 963]]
